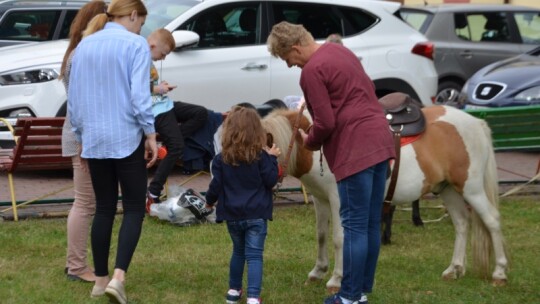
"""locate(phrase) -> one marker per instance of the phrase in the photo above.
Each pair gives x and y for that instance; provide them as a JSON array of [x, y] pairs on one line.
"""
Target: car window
[[528, 24], [419, 20], [29, 25], [322, 20], [66, 23], [227, 25], [482, 27], [319, 20], [162, 12], [358, 20], [462, 28]]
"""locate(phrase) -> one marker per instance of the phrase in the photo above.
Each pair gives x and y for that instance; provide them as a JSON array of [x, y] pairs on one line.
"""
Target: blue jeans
[[361, 196], [248, 237]]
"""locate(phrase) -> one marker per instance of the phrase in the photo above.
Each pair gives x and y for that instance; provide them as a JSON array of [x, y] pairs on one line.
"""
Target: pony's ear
[[269, 140]]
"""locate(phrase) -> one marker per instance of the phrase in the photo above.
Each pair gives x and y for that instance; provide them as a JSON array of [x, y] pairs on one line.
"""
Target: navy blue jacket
[[199, 147], [245, 191]]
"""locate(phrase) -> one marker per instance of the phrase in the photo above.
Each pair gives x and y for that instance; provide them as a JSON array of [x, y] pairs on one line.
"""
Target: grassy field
[[190, 264]]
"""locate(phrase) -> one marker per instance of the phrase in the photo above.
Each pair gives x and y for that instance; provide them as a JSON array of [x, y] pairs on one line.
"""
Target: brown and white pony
[[453, 158]]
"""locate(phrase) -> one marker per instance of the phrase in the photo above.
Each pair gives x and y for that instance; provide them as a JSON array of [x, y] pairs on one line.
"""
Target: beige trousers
[[79, 220]]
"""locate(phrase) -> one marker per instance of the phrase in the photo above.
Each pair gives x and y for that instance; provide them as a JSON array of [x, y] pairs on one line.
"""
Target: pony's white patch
[[408, 189]]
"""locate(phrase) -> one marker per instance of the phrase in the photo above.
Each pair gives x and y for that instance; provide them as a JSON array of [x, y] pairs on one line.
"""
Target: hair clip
[[105, 11]]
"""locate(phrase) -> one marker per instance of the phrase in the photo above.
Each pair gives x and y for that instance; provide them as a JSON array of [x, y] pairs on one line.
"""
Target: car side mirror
[[185, 39]]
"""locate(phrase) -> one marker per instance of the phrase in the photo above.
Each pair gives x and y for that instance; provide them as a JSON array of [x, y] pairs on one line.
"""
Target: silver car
[[468, 37], [507, 83]]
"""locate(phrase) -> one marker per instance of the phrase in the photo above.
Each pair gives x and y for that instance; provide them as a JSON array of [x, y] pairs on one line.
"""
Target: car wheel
[[448, 93]]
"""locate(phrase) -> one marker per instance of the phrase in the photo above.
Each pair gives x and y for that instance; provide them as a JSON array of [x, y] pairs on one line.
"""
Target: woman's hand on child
[[274, 150]]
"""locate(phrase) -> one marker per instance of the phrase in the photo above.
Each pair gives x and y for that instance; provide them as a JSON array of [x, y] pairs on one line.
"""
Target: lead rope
[[320, 163], [285, 163], [161, 70]]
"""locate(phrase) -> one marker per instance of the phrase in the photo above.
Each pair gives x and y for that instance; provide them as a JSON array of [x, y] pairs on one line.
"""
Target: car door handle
[[254, 66], [466, 54]]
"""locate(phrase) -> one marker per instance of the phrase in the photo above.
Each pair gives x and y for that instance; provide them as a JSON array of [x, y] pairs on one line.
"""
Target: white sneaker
[[233, 296], [253, 301]]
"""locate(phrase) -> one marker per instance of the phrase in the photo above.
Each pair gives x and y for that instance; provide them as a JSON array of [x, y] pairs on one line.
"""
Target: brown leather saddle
[[405, 118], [404, 114]]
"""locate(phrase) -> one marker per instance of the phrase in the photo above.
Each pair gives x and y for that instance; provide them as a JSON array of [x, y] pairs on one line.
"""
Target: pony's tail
[[491, 181], [481, 237]]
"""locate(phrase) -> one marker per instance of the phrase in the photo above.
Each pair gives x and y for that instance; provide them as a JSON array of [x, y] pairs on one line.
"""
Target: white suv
[[231, 63]]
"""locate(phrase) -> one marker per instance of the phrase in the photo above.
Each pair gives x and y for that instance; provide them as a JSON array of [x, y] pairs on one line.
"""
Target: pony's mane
[[279, 123]]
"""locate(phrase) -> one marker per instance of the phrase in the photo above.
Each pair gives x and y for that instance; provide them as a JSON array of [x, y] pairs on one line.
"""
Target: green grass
[[190, 264]]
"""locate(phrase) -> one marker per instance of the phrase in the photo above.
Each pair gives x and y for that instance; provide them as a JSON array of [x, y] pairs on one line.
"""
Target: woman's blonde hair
[[83, 17], [284, 35], [117, 8], [243, 136]]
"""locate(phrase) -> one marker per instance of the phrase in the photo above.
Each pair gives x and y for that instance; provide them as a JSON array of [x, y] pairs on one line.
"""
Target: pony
[[453, 158]]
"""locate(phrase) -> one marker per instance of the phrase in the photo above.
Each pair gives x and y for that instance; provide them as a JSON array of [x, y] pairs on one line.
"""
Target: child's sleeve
[[216, 183], [269, 169]]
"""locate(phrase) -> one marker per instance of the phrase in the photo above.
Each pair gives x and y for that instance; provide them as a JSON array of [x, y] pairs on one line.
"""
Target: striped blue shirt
[[109, 99]]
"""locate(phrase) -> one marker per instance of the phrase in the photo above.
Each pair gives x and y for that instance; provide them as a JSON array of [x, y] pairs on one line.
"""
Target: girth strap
[[395, 171], [405, 118]]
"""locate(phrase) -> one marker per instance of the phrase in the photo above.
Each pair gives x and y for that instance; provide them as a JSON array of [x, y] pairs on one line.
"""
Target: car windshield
[[162, 12]]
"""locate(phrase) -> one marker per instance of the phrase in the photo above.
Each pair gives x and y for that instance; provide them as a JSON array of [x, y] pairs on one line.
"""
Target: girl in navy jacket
[[243, 176]]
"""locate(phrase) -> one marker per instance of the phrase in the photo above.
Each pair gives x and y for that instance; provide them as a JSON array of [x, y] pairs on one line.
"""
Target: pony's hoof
[[499, 282], [418, 222], [449, 276]]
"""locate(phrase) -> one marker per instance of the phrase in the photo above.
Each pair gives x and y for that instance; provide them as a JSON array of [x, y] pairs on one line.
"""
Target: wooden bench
[[38, 147], [513, 128]]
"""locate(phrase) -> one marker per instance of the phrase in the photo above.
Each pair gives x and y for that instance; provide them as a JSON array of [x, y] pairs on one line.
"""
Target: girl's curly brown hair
[[243, 136]]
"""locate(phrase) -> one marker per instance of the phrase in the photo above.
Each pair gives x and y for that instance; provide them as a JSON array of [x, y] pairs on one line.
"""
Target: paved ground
[[513, 167], [35, 185]]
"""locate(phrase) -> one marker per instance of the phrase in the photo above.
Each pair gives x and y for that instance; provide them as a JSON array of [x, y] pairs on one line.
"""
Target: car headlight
[[30, 76], [529, 94]]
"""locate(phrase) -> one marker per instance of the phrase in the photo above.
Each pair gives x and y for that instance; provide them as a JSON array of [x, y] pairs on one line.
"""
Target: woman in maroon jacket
[[350, 128]]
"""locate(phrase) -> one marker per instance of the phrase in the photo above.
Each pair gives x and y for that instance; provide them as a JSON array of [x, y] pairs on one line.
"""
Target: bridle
[[285, 163]]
